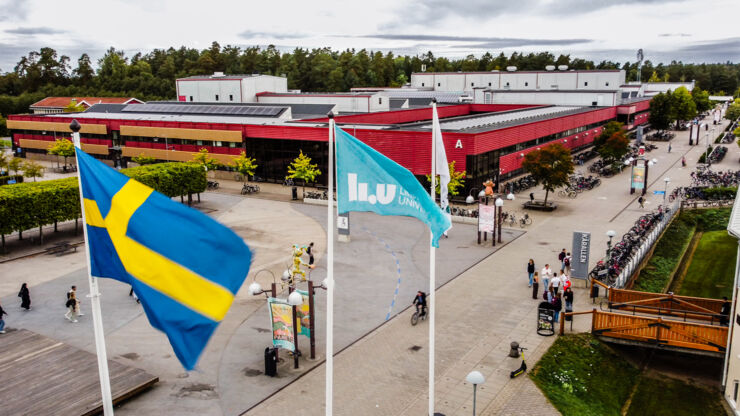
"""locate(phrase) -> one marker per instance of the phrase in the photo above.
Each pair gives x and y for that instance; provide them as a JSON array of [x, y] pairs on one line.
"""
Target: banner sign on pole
[[658, 192], [638, 177], [486, 216], [581, 251], [303, 316], [281, 318]]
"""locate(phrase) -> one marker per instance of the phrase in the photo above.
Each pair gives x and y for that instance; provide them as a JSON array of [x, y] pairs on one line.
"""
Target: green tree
[[33, 170], [62, 147], [550, 166], [701, 99], [660, 112], [143, 159], [683, 106], [3, 161], [608, 131], [654, 77], [733, 110], [73, 107], [15, 165], [244, 165], [204, 158], [614, 148], [457, 180], [301, 168]]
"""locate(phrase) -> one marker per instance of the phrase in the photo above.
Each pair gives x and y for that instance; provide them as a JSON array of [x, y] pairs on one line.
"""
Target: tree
[[15, 165], [244, 165], [62, 147], [143, 159], [301, 168], [204, 158], [73, 107], [3, 161], [733, 110], [683, 105], [701, 99], [457, 179], [614, 148], [654, 77], [33, 170], [550, 166], [660, 112], [608, 131]]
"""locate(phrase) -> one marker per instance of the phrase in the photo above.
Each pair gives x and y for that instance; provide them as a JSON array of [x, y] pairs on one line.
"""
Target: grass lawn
[[712, 267], [668, 397], [582, 376]]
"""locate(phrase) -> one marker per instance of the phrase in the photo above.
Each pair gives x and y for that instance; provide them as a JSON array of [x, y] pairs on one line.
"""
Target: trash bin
[[270, 362], [545, 319], [295, 193], [595, 291]]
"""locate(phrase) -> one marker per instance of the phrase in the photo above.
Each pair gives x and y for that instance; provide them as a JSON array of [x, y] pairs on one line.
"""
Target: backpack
[[567, 261], [544, 295]]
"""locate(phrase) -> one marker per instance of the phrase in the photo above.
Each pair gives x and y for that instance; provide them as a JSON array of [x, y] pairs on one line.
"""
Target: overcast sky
[[687, 30]]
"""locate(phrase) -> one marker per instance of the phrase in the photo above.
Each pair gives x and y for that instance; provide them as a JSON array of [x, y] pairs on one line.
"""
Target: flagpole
[[432, 271], [330, 274], [94, 293]]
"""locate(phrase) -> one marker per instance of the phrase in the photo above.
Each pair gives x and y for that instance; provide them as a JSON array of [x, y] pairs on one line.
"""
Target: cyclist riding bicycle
[[420, 301]]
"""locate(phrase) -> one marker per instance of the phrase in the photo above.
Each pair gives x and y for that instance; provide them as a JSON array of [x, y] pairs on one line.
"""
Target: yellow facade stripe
[[92, 214], [173, 155], [50, 126], [98, 149], [187, 134], [156, 271]]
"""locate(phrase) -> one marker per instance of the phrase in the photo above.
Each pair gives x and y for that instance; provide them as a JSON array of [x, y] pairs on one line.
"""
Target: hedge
[[4, 179], [720, 192], [29, 205]]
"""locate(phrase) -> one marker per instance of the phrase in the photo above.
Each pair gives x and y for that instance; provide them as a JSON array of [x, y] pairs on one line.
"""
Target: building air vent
[[550, 68], [511, 68], [563, 67], [218, 74]]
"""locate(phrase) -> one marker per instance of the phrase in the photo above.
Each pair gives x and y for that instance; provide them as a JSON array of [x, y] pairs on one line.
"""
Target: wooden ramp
[[682, 307], [42, 376]]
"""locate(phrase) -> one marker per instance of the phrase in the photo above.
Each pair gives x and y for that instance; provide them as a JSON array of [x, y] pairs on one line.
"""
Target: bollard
[[514, 353]]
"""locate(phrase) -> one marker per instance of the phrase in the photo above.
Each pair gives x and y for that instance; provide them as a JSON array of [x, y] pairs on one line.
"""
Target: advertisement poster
[[638, 177], [302, 316], [486, 215], [281, 317]]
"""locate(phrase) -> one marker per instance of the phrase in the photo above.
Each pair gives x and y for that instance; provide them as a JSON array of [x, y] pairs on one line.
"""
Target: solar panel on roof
[[242, 110]]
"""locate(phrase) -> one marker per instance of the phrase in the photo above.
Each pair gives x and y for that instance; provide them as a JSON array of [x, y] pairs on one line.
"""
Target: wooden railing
[[664, 304], [659, 331]]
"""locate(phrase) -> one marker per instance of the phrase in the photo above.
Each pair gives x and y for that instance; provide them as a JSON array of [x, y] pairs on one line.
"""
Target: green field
[[668, 397], [580, 375], [712, 267]]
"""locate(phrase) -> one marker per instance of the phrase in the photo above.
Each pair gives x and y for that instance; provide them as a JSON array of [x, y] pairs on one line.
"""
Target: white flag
[[443, 169]]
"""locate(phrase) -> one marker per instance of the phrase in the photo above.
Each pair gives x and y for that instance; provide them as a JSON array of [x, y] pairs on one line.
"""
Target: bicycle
[[525, 221], [212, 185], [288, 182], [423, 315]]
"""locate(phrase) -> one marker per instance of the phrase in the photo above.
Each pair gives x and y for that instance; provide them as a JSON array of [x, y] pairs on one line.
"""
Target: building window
[[199, 142], [422, 84], [216, 97], [607, 84], [585, 84], [526, 84], [218, 143], [380, 100], [439, 84], [231, 97], [507, 84], [735, 386], [191, 98], [489, 84], [472, 84]]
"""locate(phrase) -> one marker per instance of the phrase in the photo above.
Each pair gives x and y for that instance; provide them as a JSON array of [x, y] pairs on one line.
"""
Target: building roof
[[517, 72], [174, 108], [223, 77], [314, 94], [59, 102]]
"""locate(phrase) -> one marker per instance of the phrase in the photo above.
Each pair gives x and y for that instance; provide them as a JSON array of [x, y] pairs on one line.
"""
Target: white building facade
[[220, 88]]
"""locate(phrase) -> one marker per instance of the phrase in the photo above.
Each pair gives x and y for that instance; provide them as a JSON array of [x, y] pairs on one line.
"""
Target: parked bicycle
[[249, 189], [212, 185]]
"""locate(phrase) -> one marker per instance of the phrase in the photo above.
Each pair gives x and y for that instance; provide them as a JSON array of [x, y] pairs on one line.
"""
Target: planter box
[[539, 206]]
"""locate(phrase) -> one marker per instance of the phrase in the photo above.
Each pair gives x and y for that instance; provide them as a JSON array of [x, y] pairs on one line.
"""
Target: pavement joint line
[[398, 270]]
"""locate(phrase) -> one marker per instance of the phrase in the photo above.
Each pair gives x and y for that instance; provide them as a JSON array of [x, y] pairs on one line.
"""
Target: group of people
[[73, 305], [557, 287]]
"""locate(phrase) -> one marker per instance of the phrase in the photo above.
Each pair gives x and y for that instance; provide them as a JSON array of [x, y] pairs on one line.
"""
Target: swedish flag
[[184, 266]]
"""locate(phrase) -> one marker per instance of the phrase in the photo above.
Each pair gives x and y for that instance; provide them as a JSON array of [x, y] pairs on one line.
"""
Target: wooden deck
[[42, 376]]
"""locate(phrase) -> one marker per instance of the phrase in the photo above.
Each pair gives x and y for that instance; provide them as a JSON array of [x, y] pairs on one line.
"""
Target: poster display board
[[581, 250], [638, 176], [281, 318], [486, 218]]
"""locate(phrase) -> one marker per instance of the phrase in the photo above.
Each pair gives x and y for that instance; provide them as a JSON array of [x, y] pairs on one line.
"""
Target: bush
[[720, 192], [171, 179], [703, 157], [4, 179]]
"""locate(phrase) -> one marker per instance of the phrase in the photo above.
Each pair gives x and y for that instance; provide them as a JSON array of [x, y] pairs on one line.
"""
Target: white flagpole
[[330, 275], [94, 294], [432, 266]]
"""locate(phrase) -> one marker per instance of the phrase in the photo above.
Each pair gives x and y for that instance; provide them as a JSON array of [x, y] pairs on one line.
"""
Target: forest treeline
[[151, 76]]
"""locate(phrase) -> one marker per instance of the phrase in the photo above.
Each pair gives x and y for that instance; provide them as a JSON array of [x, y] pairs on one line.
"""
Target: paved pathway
[[480, 313]]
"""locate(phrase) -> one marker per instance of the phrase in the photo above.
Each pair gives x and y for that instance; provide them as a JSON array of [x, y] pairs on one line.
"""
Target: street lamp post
[[665, 190], [610, 234], [255, 289], [475, 378], [295, 299]]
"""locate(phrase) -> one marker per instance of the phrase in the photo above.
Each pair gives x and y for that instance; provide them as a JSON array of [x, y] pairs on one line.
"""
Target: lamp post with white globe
[[475, 378]]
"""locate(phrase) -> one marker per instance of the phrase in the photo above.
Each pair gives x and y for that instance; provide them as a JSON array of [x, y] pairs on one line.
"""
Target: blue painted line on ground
[[398, 270]]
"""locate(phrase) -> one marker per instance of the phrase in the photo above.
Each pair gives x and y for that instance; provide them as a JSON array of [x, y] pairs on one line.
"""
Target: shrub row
[[720, 192], [4, 179], [29, 205], [670, 248]]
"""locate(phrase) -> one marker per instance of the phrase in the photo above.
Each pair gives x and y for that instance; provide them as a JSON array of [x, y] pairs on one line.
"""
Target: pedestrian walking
[[669, 148], [568, 296], [535, 285], [566, 263], [72, 307], [25, 297], [561, 257], [555, 283], [641, 201], [530, 271], [309, 251], [546, 274], [557, 303], [2, 321], [531, 197], [73, 292]]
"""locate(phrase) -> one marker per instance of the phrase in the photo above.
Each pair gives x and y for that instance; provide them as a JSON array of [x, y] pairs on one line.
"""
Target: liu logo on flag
[[384, 192]]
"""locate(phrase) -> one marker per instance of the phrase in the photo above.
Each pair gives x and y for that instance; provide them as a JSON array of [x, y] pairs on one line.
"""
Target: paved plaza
[[381, 366]]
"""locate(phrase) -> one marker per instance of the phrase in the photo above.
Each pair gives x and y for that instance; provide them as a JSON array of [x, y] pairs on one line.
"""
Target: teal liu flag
[[369, 181]]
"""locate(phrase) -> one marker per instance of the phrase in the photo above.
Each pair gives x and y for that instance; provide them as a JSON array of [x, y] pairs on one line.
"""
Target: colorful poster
[[281, 318], [638, 177], [303, 317], [486, 215]]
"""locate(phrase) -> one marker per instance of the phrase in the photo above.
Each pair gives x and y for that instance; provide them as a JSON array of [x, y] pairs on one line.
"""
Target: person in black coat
[[2, 322], [557, 304], [25, 297], [530, 270]]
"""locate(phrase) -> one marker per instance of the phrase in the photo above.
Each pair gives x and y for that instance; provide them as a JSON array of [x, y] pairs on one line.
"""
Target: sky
[[682, 30]]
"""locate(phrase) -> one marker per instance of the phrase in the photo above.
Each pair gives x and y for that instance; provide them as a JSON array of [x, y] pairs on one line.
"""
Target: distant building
[[655, 88], [221, 88], [352, 102], [54, 105]]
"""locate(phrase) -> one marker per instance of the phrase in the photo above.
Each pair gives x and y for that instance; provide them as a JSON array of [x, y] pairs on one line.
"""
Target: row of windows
[[472, 84], [61, 135], [216, 143]]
